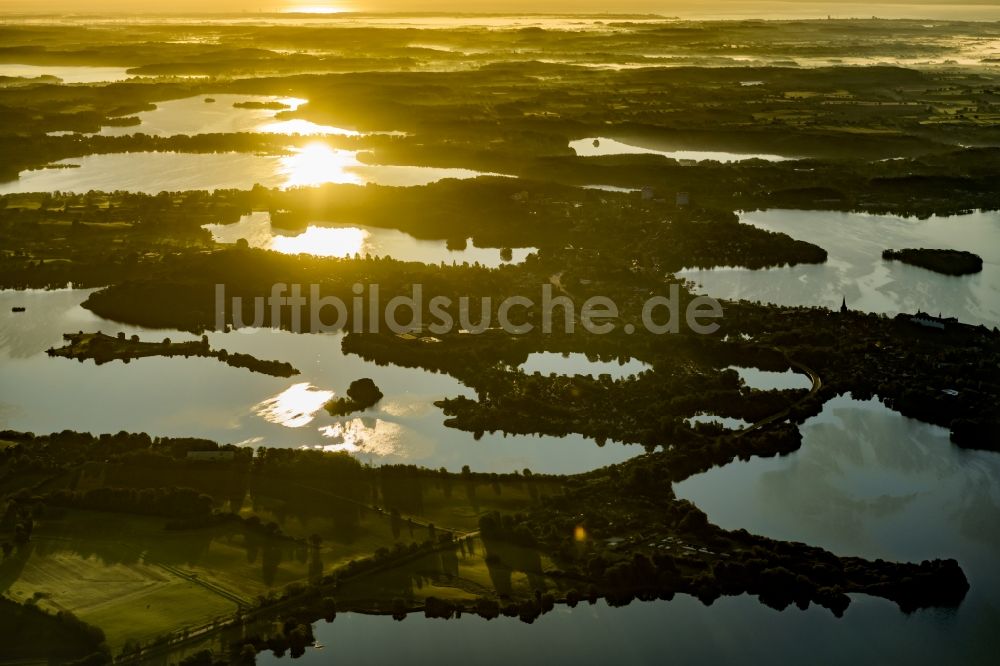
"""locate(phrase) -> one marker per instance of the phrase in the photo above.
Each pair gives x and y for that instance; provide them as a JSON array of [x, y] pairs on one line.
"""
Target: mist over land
[[722, 9]]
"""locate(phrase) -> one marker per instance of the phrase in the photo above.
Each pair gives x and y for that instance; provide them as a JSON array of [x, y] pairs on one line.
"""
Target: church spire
[[843, 305]]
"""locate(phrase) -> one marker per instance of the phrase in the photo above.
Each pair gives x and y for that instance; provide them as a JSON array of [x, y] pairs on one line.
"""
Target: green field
[[136, 580], [458, 575]]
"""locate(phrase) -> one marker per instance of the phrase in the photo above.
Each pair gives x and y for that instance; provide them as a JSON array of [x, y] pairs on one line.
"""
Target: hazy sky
[[981, 9]]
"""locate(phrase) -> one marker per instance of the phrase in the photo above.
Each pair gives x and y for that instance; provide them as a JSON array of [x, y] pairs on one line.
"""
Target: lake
[[67, 73], [155, 172], [333, 240], [770, 380], [873, 483], [201, 397], [856, 271], [611, 188], [551, 363], [194, 115], [681, 631], [724, 421], [595, 146]]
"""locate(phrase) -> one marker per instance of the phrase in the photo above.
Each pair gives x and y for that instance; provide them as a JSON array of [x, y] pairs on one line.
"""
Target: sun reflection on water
[[319, 241], [318, 163], [294, 407], [364, 435], [303, 128], [323, 242]]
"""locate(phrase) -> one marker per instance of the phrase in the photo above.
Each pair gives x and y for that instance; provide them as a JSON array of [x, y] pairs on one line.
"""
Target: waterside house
[[929, 321]]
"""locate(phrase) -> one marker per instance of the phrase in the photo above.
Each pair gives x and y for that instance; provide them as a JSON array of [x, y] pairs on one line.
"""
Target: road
[[817, 384]]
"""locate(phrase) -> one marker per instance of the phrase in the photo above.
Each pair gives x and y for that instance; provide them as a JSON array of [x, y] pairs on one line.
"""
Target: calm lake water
[[332, 240], [551, 363], [724, 421], [152, 173], [605, 146], [194, 115], [682, 631], [873, 483], [68, 74], [201, 397], [770, 380], [856, 271]]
